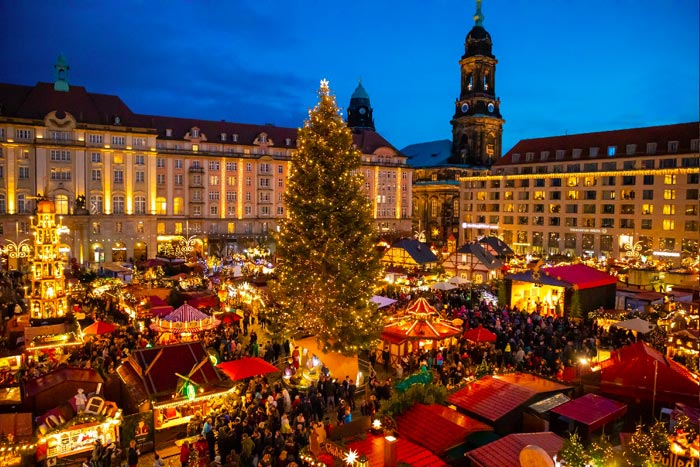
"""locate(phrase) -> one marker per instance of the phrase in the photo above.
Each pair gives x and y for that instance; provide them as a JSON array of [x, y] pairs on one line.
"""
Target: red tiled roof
[[373, 447], [505, 452], [494, 397], [580, 275], [592, 410], [436, 427], [661, 135]]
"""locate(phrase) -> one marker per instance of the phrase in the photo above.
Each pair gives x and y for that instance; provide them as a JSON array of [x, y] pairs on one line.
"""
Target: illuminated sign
[[467, 225], [670, 254]]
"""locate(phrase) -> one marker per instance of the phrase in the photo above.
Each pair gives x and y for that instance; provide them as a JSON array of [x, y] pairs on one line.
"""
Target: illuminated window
[[178, 228], [669, 209], [669, 179], [213, 179], [178, 206], [231, 227], [612, 150], [96, 227], [669, 224], [139, 227], [669, 194], [61, 202], [160, 228], [161, 206], [647, 209]]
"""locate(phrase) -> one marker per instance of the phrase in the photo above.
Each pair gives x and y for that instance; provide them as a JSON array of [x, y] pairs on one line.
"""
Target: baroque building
[[131, 186], [476, 143], [611, 194]]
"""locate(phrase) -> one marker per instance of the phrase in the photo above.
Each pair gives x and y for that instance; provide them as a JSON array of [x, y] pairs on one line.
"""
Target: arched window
[[140, 205], [161, 206], [178, 206], [117, 204], [61, 203]]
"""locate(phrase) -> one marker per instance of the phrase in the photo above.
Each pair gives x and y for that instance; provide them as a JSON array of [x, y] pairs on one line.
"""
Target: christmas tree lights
[[328, 266]]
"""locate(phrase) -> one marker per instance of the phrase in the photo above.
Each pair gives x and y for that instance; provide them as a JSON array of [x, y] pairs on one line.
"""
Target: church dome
[[478, 42]]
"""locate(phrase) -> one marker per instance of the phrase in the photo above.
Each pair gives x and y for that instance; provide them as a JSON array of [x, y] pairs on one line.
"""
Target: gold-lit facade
[[616, 194], [130, 184]]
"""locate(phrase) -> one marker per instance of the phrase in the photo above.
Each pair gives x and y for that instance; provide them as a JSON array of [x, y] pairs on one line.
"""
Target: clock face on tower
[[490, 107], [362, 111], [465, 108]]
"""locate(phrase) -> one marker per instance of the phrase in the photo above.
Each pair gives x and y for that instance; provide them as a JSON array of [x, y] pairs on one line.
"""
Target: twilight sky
[[564, 65]]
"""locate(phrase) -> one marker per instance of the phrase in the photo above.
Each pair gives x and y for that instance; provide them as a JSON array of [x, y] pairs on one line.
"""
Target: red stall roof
[[506, 451], [580, 275], [592, 410], [493, 397], [373, 447], [160, 365], [436, 427], [632, 370]]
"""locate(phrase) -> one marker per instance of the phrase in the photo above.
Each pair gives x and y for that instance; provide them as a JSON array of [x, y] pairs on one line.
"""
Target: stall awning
[[592, 410], [407, 452]]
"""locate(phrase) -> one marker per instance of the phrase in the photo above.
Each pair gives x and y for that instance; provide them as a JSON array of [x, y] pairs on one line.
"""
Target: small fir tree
[[639, 449], [601, 451], [328, 264], [575, 306], [659, 437], [572, 452]]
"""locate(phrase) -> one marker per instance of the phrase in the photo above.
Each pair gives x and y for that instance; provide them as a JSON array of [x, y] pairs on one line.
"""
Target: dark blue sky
[[564, 65]]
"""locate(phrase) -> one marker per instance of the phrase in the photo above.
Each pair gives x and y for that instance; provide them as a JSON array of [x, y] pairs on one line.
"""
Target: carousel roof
[[416, 328], [186, 313], [421, 305]]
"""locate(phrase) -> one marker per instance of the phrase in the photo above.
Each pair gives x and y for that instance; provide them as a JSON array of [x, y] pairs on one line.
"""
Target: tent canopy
[[99, 327], [479, 334], [246, 367], [633, 370], [443, 286], [382, 301], [635, 324], [421, 305]]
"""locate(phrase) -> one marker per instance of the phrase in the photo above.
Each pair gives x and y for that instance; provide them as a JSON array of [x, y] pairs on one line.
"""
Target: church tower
[[360, 110], [477, 125]]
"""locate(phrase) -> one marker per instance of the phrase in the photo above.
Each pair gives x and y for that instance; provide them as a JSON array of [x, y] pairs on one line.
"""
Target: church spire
[[61, 67], [478, 16]]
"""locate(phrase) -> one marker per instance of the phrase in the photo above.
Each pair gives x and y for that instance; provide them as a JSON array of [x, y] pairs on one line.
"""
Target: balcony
[[196, 170]]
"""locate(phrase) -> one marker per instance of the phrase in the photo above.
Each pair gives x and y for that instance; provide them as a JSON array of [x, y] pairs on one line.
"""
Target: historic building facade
[[130, 186], [476, 143], [614, 193]]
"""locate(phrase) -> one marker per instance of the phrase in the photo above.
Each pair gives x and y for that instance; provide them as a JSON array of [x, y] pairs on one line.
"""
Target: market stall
[[175, 382], [684, 347]]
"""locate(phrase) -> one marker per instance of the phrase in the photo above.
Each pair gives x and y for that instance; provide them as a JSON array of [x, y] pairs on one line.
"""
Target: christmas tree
[[328, 266], [573, 452]]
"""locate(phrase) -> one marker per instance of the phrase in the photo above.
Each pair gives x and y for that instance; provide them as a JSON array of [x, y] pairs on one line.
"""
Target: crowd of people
[[269, 424]]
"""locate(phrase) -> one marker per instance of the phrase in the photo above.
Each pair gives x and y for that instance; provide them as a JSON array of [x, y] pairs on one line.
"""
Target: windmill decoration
[[186, 386]]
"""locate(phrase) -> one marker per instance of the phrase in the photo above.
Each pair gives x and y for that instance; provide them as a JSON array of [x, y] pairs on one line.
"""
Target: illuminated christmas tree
[[328, 266]]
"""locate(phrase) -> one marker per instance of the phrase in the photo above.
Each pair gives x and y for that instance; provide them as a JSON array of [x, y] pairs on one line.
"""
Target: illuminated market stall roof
[[506, 451], [373, 446], [436, 427], [639, 371], [575, 275], [592, 410], [491, 398], [156, 372]]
